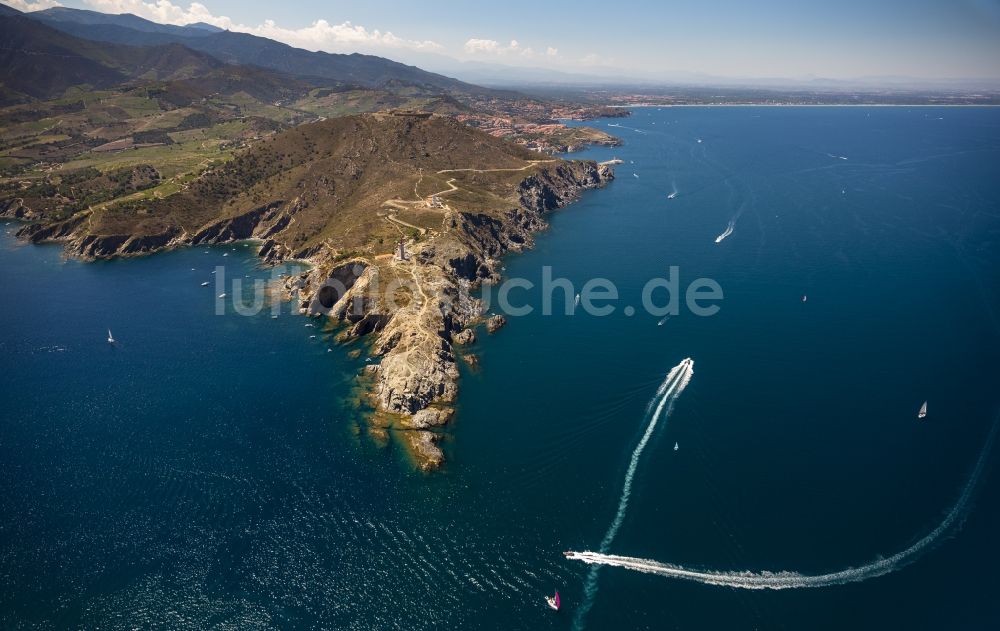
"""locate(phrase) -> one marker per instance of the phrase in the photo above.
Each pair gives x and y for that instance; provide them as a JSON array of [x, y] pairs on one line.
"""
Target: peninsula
[[399, 214]]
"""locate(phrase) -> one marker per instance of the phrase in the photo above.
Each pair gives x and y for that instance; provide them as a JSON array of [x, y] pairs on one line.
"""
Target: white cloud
[[493, 47], [320, 35], [474, 46], [552, 52], [34, 5]]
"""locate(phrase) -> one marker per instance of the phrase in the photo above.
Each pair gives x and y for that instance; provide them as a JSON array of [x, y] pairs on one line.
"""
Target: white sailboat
[[111, 338], [923, 410], [676, 446]]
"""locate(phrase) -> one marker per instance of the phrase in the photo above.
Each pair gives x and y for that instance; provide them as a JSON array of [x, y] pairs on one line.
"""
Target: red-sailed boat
[[553, 601]]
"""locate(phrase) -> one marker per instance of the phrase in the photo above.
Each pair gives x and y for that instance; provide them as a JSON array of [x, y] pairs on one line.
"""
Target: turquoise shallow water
[[207, 471]]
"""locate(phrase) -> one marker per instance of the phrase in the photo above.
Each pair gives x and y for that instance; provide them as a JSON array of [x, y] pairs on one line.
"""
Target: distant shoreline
[[647, 105]]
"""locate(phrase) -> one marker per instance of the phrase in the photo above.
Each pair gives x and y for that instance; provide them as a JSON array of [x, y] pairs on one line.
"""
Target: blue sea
[[214, 471]]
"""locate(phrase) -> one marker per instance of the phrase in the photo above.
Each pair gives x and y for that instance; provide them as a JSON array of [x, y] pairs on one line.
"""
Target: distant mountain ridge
[[367, 71], [126, 20], [40, 62]]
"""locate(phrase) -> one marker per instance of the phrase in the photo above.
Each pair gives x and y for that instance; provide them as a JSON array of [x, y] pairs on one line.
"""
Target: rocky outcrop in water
[[463, 337], [495, 322]]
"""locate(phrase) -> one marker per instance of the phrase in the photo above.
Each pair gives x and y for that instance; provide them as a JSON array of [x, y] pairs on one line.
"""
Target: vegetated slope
[[321, 184]]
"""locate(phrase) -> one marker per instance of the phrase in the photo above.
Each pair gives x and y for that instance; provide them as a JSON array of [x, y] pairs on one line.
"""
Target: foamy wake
[[727, 232], [674, 383], [795, 580], [628, 128]]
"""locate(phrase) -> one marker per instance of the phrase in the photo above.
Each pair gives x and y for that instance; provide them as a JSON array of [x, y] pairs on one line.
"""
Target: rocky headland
[[399, 216]]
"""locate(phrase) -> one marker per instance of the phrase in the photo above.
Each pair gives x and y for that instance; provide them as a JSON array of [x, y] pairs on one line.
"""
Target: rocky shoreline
[[416, 381]]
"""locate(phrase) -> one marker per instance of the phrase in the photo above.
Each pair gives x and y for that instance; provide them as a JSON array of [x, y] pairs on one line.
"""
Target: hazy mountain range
[[435, 71], [232, 48]]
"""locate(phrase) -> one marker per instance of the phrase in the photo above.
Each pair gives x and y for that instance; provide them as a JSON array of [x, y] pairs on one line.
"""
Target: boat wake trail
[[659, 406], [732, 223], [628, 128], [728, 231], [795, 580]]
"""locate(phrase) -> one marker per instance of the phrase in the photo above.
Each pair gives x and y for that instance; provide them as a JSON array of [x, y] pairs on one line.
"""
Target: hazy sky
[[767, 38]]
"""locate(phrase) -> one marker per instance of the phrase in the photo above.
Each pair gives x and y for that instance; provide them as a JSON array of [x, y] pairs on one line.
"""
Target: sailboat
[[923, 410], [111, 340], [576, 301], [553, 601], [676, 446]]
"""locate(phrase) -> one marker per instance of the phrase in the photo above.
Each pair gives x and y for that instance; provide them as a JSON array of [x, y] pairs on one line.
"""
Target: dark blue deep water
[[210, 471]]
